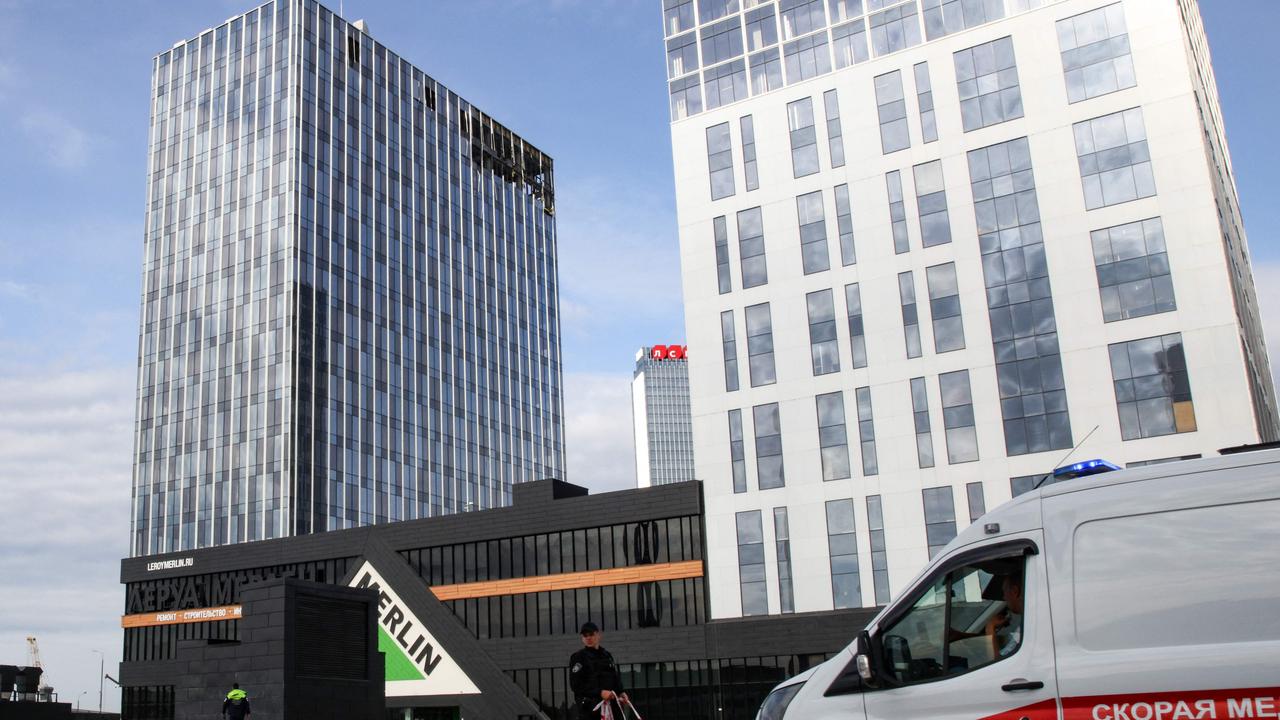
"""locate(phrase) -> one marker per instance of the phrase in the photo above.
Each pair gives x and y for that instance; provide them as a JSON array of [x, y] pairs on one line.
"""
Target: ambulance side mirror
[[866, 659], [864, 668], [859, 674]]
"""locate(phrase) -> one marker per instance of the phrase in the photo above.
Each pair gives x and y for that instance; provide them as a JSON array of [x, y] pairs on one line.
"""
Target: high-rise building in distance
[[660, 416], [941, 243], [350, 304]]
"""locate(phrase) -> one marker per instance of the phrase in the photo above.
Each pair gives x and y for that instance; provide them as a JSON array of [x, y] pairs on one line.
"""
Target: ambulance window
[[1205, 576], [968, 618]]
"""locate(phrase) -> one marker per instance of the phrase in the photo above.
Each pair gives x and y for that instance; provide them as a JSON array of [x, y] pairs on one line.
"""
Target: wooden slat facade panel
[[571, 581]]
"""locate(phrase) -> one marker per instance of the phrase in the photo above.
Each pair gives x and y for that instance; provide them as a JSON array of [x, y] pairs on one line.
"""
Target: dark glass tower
[[350, 305]]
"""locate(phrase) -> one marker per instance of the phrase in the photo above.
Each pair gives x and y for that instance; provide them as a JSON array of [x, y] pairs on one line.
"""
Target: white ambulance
[[1143, 594]]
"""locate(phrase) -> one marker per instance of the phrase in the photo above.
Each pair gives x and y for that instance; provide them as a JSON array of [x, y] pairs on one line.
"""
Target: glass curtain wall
[[349, 309]]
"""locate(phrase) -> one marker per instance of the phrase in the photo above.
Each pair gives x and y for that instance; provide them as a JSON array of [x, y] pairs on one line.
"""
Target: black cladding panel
[[332, 641]]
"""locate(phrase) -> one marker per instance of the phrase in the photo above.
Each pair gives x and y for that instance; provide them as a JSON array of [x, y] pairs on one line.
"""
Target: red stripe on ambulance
[[1043, 710]]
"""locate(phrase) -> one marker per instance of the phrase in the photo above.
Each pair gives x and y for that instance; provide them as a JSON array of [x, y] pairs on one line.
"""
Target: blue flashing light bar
[[1081, 469]]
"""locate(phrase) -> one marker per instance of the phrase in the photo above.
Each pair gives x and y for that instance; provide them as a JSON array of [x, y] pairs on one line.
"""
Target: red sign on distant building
[[669, 352]]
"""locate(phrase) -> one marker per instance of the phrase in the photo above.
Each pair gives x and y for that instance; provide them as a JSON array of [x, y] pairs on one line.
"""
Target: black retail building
[[475, 616]]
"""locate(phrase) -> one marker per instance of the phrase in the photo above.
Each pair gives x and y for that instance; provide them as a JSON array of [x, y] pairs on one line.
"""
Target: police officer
[[236, 706], [594, 676]]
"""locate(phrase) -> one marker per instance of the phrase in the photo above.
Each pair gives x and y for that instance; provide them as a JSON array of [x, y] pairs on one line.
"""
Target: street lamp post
[[82, 692], [102, 670]]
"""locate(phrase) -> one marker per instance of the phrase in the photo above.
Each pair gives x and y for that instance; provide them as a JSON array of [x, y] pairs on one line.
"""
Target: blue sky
[[582, 79]]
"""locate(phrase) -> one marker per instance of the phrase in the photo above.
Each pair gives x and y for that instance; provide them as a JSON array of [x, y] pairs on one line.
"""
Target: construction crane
[[33, 653], [33, 660]]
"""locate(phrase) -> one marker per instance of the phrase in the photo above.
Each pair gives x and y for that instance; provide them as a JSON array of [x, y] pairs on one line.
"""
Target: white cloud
[[64, 145], [618, 255], [65, 444], [598, 432], [573, 313], [15, 289]]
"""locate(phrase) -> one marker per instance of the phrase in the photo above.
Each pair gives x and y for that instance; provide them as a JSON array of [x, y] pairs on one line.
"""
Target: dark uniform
[[590, 671]]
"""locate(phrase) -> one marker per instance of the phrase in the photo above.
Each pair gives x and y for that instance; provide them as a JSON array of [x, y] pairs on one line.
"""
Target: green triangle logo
[[398, 665], [414, 661]]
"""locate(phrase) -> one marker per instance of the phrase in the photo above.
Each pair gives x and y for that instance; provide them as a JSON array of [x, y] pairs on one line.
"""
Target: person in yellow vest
[[236, 706]]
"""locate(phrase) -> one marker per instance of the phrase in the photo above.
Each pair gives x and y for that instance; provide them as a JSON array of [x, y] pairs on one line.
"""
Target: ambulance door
[[972, 640]]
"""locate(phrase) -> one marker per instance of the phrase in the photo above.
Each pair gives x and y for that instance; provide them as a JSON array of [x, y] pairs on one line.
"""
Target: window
[[737, 452], [842, 544], [686, 97], [924, 98], [801, 17], [844, 224], [709, 10], [720, 160], [931, 203], [723, 278], [867, 432], [832, 437], [939, 518], [751, 248], [920, 413], [835, 140], [1027, 483], [897, 211], [944, 306], [677, 15], [725, 84], [751, 579], [957, 416], [943, 17], [1115, 164], [1213, 576], [944, 632], [747, 126], [977, 501], [806, 58], [910, 316], [892, 108], [729, 343], [987, 76], [857, 334], [782, 544], [804, 139], [1095, 53], [766, 71], [1033, 402], [760, 345], [682, 55], [879, 556], [813, 233], [1161, 461], [842, 10], [1153, 391], [1133, 270], [762, 28], [721, 41], [822, 332], [768, 427], [849, 41], [145, 702], [897, 28]]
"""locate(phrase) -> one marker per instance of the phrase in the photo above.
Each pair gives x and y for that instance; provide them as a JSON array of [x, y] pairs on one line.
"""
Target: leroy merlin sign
[[416, 664]]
